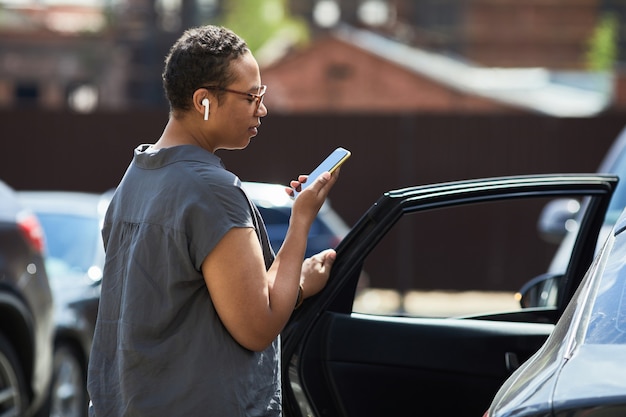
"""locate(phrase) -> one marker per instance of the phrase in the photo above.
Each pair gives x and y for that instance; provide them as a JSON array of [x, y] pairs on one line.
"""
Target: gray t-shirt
[[159, 347]]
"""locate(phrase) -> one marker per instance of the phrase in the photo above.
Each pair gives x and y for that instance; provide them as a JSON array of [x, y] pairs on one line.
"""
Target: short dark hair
[[201, 56]]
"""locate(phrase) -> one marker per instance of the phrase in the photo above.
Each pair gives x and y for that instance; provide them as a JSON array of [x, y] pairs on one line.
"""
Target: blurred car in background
[[327, 230], [559, 216], [25, 310], [74, 260], [580, 369], [559, 222]]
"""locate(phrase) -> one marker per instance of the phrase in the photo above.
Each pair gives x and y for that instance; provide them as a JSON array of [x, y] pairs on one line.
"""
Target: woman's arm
[[254, 304]]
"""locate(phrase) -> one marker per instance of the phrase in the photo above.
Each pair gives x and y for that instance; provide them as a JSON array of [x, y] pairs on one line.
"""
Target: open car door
[[339, 361]]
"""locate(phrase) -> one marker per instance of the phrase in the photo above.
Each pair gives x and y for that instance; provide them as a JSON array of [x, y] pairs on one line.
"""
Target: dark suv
[[26, 325]]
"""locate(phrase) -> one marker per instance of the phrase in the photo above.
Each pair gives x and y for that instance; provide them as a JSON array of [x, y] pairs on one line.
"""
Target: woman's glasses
[[257, 97]]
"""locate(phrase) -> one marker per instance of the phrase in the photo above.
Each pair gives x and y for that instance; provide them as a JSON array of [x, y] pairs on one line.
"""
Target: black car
[[580, 370], [74, 260], [338, 361], [25, 310]]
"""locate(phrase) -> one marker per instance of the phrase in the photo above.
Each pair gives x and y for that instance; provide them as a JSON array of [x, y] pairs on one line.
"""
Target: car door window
[[461, 260]]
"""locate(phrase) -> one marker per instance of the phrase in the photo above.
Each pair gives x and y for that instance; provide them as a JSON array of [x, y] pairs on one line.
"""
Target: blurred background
[[420, 91], [106, 55]]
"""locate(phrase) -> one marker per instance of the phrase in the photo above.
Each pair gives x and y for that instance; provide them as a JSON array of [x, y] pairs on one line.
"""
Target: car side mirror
[[557, 218], [541, 291]]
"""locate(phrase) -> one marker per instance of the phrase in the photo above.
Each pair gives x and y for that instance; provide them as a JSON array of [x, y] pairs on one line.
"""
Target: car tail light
[[32, 230]]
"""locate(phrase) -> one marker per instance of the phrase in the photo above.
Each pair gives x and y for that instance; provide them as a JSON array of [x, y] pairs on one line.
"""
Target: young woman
[[193, 298]]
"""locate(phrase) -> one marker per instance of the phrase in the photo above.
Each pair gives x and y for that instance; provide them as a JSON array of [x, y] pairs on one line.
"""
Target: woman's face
[[236, 117]]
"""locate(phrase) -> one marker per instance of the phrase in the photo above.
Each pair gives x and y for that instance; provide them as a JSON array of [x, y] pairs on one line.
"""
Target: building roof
[[555, 93], [334, 75]]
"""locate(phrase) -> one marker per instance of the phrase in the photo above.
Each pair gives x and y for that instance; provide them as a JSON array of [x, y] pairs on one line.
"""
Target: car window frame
[[339, 294]]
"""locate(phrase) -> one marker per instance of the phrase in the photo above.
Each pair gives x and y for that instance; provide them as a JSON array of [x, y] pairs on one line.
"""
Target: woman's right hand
[[315, 272], [310, 200]]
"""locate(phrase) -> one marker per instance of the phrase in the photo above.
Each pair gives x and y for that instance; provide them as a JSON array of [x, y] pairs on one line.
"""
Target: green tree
[[602, 46], [263, 22]]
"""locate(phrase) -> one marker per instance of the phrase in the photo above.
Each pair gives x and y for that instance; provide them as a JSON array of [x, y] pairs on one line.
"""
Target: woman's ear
[[202, 103]]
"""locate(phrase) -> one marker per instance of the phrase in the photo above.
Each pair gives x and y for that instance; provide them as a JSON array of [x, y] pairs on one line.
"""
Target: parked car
[[74, 259], [25, 310], [580, 369], [558, 222], [327, 230], [340, 362]]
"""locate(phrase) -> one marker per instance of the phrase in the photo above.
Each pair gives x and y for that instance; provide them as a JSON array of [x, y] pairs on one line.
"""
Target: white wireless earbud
[[205, 103]]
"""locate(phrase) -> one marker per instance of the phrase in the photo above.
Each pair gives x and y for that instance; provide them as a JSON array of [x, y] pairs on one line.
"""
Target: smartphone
[[330, 164]]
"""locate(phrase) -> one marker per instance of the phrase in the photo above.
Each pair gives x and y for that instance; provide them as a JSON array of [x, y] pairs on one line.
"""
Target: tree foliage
[[259, 22], [602, 47]]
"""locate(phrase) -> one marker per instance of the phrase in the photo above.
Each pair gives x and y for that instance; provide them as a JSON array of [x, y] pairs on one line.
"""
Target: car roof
[[262, 194], [79, 203], [267, 195]]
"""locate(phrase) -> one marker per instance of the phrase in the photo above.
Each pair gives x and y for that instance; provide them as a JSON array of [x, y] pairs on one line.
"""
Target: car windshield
[[71, 243], [607, 318]]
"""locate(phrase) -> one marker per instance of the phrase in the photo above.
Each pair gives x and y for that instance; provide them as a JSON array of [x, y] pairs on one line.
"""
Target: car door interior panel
[[388, 360]]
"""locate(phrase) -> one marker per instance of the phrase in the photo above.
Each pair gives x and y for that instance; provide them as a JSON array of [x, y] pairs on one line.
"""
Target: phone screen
[[330, 164]]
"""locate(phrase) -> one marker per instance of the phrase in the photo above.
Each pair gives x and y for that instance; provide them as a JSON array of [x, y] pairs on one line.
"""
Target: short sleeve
[[217, 210]]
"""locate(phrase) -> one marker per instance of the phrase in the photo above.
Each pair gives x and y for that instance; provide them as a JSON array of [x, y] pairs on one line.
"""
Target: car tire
[[13, 397], [68, 393]]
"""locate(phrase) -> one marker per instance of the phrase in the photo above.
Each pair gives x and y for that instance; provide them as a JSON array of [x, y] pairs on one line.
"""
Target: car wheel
[[68, 395], [13, 399]]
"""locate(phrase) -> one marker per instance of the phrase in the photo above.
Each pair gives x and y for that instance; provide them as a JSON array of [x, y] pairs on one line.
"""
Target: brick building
[[353, 70], [336, 76]]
